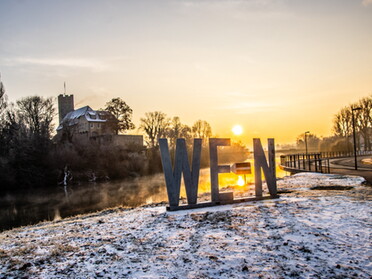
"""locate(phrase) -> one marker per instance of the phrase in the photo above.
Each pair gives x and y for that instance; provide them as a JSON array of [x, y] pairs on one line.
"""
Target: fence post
[[303, 161], [328, 166]]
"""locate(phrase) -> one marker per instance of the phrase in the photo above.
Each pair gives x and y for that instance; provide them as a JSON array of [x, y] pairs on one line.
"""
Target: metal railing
[[314, 162], [305, 162]]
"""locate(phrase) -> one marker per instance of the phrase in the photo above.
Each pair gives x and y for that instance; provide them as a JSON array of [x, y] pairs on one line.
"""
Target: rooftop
[[90, 115]]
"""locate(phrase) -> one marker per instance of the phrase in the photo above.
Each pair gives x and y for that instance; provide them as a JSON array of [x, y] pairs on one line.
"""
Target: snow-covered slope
[[304, 234]]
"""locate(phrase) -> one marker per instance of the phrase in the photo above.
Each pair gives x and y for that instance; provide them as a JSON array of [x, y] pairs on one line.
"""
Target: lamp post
[[355, 149], [306, 154]]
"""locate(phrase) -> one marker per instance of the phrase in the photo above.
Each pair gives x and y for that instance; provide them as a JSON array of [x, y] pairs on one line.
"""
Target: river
[[32, 206]]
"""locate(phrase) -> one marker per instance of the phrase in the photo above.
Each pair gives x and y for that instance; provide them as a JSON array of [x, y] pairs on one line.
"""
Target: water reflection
[[33, 206]]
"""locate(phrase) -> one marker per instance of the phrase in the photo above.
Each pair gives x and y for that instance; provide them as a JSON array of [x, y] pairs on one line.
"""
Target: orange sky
[[276, 67]]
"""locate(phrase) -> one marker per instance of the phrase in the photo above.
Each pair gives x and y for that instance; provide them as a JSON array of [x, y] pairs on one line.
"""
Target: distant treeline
[[343, 123]]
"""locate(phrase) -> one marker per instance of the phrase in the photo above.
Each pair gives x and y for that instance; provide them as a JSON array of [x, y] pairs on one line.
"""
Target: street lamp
[[307, 132], [353, 122]]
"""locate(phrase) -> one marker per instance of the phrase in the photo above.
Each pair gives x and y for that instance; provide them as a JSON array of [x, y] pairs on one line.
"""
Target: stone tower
[[65, 105]]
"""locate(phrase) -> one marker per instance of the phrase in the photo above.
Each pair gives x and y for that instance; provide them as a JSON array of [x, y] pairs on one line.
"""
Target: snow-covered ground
[[303, 234]]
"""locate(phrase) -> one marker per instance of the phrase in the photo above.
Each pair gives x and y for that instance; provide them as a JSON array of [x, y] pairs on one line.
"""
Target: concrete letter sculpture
[[181, 167]]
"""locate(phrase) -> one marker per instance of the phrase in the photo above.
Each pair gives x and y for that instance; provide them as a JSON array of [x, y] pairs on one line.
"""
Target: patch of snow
[[308, 180]]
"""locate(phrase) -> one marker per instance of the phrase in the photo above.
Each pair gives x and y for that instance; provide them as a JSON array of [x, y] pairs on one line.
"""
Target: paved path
[[346, 166]]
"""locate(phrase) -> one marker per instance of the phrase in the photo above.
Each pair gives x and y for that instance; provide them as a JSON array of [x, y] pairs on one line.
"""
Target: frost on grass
[[308, 180], [309, 236]]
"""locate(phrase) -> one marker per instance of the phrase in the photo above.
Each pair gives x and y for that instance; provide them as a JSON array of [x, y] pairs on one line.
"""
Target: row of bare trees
[[158, 125], [343, 126]]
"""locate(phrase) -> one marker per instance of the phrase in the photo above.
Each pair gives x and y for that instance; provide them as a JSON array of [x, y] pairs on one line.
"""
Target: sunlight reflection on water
[[228, 179]]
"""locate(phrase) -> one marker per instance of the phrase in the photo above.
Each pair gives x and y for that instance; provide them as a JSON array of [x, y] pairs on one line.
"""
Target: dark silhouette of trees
[[342, 126], [312, 142], [37, 114], [122, 112], [365, 121], [28, 158], [202, 129], [25, 142], [3, 99], [3, 121], [342, 123], [178, 130], [155, 125], [334, 143], [3, 105]]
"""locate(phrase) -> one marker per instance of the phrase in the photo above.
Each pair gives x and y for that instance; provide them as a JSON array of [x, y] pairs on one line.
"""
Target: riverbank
[[307, 232]]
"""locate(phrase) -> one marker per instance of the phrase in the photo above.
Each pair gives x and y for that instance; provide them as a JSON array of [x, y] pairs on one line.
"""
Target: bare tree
[[202, 129], [37, 114], [365, 120], [312, 142], [178, 130], [3, 104], [155, 125], [3, 100], [342, 124], [122, 112]]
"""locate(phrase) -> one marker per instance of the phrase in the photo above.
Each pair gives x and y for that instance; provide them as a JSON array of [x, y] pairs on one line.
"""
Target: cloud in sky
[[239, 9], [237, 94], [251, 107], [367, 2], [92, 64], [231, 3]]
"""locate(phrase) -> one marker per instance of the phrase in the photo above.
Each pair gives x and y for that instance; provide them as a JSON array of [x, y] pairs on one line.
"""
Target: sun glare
[[241, 181], [237, 130]]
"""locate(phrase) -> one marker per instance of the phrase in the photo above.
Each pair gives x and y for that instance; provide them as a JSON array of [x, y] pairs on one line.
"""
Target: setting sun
[[241, 181], [237, 130]]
